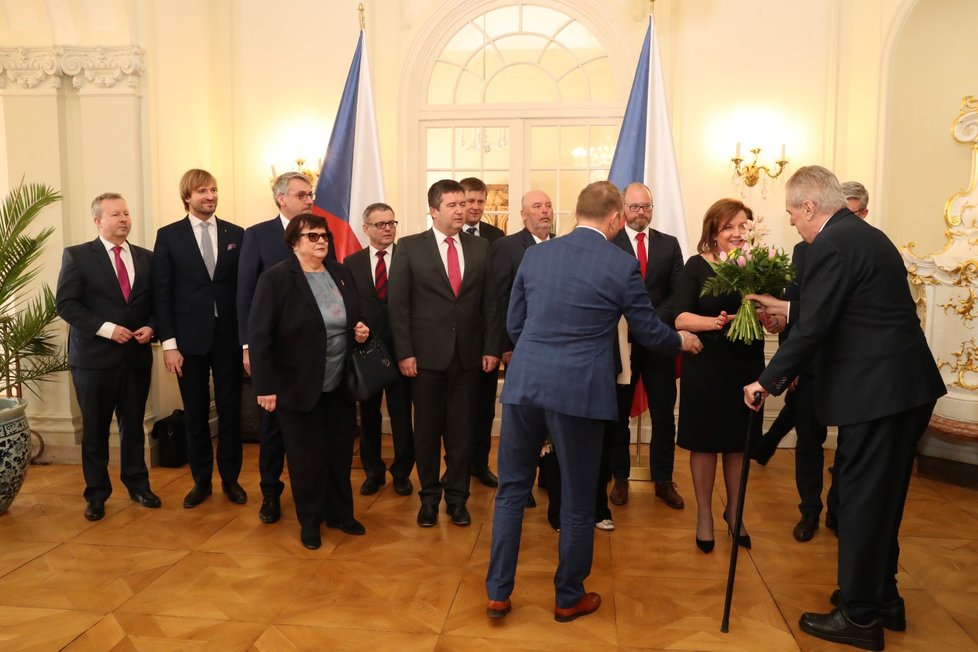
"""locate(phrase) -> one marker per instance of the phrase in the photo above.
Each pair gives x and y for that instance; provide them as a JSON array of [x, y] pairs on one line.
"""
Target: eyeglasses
[[303, 196], [384, 225], [635, 208], [314, 236]]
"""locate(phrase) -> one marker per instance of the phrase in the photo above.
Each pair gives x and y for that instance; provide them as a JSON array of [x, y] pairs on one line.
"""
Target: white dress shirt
[[387, 259], [107, 328], [443, 249]]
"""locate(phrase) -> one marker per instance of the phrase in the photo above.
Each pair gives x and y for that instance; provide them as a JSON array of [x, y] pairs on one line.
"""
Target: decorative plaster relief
[[103, 67]]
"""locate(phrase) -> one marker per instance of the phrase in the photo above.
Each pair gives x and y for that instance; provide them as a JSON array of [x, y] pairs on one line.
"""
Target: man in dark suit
[[369, 268], [875, 379], [660, 261], [445, 320], [263, 246], [567, 299], [195, 277], [476, 193], [537, 212], [105, 293]]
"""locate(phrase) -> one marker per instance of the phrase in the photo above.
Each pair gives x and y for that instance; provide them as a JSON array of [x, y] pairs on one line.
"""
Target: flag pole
[[363, 21]]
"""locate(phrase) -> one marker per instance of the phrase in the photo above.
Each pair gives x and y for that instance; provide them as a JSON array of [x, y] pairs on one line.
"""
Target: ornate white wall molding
[[102, 67]]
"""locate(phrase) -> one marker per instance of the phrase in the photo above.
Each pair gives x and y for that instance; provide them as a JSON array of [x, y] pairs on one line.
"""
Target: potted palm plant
[[29, 352]]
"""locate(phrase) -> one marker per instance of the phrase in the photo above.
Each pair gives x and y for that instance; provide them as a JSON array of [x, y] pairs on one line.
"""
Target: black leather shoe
[[428, 515], [310, 537], [460, 515], [235, 492], [372, 485], [146, 499], [403, 486], [197, 495], [350, 526], [893, 613], [95, 510], [705, 545], [743, 540], [485, 476], [531, 501], [806, 527], [836, 627], [271, 509]]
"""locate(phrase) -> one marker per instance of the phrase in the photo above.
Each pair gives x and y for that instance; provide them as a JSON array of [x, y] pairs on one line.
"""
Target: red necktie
[[380, 276], [643, 257], [122, 272], [454, 271]]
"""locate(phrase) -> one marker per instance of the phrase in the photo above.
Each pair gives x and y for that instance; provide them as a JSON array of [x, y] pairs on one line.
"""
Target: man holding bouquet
[[875, 379]]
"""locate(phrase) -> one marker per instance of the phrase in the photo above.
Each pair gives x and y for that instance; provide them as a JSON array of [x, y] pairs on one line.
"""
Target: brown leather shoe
[[499, 608], [667, 492], [586, 605], [619, 493]]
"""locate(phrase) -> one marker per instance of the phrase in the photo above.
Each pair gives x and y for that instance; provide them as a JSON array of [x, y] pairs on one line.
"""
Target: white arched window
[[523, 96]]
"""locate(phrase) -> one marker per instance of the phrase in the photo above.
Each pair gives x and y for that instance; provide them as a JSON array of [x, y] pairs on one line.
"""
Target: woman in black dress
[[712, 415]]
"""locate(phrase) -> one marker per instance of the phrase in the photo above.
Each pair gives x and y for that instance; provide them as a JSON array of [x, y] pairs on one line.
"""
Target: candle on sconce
[[782, 152], [274, 174], [737, 153]]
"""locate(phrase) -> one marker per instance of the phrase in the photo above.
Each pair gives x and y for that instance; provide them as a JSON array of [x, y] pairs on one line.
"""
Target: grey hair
[[857, 191], [281, 184], [376, 207], [818, 185], [97, 202]]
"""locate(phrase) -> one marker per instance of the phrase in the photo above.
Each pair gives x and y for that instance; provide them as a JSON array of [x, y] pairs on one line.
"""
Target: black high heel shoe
[[743, 540], [705, 546]]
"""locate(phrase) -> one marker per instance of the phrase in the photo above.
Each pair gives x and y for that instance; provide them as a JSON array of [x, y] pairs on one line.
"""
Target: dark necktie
[[470, 230], [122, 273], [380, 276], [643, 258], [454, 270]]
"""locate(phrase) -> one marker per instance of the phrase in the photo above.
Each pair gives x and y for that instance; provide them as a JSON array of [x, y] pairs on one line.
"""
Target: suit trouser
[[809, 454], [601, 509], [319, 451], [224, 360], [271, 455], [444, 403], [485, 414], [658, 373], [873, 464], [101, 393], [402, 432], [577, 444]]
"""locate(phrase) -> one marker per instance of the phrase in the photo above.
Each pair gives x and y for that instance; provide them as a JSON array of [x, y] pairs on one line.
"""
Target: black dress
[[712, 414]]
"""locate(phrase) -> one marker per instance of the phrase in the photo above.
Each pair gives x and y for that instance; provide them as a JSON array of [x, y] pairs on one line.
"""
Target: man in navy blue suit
[[195, 278], [262, 247], [105, 293], [567, 299]]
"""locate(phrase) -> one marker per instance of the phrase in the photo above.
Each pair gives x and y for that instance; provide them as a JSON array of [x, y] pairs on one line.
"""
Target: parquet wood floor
[[215, 578]]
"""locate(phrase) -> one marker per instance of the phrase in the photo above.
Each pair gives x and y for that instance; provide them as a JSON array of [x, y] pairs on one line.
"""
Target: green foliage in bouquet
[[749, 270]]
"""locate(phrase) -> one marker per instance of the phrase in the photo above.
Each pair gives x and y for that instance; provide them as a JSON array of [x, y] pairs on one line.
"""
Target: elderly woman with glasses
[[304, 319]]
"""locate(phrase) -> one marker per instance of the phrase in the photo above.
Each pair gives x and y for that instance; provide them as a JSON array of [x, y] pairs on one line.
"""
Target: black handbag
[[369, 369]]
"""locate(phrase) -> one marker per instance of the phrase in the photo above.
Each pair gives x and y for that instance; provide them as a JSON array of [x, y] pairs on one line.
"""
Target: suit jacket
[[288, 335], [89, 295], [856, 312], [567, 298], [185, 295], [263, 246], [374, 310], [665, 261], [489, 232], [507, 254], [428, 321]]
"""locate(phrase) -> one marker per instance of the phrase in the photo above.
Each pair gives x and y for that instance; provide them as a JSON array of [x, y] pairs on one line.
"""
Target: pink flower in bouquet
[[723, 256], [749, 255], [741, 261]]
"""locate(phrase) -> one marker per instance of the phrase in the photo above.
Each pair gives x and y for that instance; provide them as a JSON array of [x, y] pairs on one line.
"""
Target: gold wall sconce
[[748, 175], [300, 166]]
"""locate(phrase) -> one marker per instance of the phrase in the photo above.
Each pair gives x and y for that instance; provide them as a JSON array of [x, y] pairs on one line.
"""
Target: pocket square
[[232, 246]]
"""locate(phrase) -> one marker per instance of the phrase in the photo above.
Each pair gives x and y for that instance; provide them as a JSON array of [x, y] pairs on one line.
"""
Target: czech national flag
[[645, 153], [351, 178]]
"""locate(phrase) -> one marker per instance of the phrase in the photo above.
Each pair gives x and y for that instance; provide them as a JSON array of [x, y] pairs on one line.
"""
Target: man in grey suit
[[445, 321], [567, 299]]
